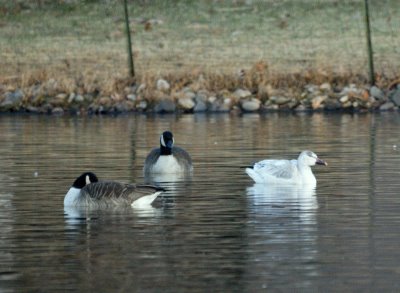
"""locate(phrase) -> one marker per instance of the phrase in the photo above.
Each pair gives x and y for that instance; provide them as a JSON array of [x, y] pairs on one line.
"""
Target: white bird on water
[[286, 171]]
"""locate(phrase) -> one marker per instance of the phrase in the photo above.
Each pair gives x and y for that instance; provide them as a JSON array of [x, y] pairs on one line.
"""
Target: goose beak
[[169, 144], [321, 162]]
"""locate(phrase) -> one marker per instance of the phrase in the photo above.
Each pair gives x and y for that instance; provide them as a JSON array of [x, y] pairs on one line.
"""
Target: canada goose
[[87, 191], [286, 171], [167, 158]]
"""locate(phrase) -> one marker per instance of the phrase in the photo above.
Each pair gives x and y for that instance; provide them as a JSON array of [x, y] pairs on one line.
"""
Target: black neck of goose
[[165, 151]]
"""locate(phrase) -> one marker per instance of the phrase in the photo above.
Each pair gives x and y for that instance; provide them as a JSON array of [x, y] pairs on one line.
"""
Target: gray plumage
[[167, 159], [87, 190], [182, 157], [106, 193]]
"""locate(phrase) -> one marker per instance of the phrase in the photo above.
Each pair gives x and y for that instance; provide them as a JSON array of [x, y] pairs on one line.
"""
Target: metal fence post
[[369, 44], [128, 37]]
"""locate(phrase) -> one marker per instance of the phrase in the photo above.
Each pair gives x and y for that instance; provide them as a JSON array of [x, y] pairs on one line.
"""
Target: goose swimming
[[87, 191], [167, 159], [286, 171]]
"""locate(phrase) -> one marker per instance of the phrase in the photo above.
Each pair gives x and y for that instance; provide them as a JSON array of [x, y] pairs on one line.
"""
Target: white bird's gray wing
[[282, 169]]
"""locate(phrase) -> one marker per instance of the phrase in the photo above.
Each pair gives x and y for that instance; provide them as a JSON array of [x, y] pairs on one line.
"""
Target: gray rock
[[377, 93], [318, 102], [79, 99], [344, 99], [32, 109], [165, 106], [162, 85], [325, 86], [61, 96], [12, 100], [188, 94], [301, 108], [57, 111], [71, 98], [131, 97], [280, 100], [387, 106], [240, 94], [394, 96], [142, 105], [219, 105], [270, 106], [200, 106], [186, 103], [250, 105], [122, 107], [332, 104], [141, 88]]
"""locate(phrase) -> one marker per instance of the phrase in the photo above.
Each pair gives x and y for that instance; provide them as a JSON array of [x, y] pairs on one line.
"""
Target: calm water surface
[[216, 232]]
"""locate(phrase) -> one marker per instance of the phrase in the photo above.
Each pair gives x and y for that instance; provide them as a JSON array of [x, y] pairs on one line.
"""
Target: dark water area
[[216, 231]]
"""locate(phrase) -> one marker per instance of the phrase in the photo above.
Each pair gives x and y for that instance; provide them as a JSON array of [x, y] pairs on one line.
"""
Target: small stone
[[347, 104], [200, 106], [325, 86], [186, 103], [58, 100], [57, 111], [188, 94], [142, 105], [32, 109], [395, 96], [131, 97], [212, 99], [250, 105], [121, 107], [61, 96], [311, 88], [387, 106], [332, 104], [79, 99], [317, 102], [377, 93], [162, 85], [271, 107], [355, 104], [300, 108], [280, 100], [293, 104], [71, 98], [12, 100], [240, 94], [141, 88], [105, 101], [165, 106], [344, 99]]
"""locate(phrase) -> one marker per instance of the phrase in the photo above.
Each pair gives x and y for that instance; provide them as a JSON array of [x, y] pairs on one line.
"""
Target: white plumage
[[286, 171]]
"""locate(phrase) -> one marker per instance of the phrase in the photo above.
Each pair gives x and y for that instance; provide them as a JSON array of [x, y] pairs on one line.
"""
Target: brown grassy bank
[[270, 48]]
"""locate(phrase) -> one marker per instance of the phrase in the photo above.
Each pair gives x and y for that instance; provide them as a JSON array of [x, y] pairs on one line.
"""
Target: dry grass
[[81, 45]]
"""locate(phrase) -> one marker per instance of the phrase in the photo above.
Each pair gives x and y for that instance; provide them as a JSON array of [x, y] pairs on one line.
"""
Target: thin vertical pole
[[128, 37], [369, 45]]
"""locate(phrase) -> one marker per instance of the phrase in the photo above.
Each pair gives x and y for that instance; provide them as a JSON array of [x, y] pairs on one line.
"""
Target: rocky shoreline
[[159, 98]]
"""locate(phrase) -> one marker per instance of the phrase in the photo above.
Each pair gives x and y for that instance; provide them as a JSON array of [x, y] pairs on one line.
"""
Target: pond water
[[215, 232]]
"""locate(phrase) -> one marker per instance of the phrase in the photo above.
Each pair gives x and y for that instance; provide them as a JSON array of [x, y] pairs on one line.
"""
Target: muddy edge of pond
[[163, 97]]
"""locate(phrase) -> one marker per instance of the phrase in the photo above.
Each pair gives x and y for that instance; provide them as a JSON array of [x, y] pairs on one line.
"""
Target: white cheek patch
[[87, 180], [162, 141]]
